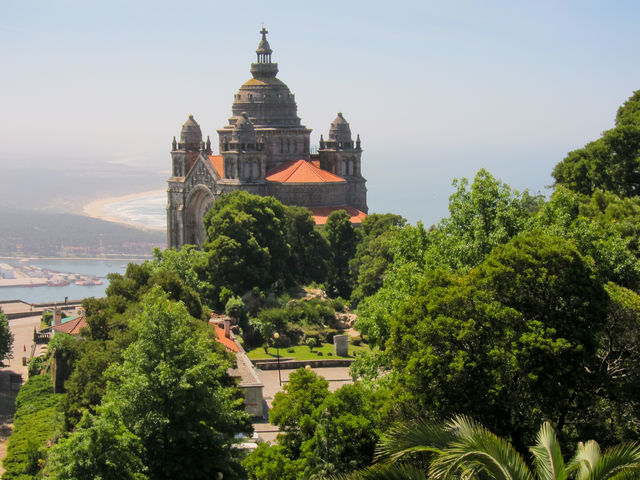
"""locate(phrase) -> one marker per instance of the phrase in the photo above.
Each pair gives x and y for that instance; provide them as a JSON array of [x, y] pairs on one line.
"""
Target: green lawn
[[301, 352]]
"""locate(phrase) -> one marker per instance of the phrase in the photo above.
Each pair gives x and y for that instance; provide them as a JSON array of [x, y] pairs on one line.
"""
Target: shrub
[[311, 342], [36, 365], [355, 341], [37, 421]]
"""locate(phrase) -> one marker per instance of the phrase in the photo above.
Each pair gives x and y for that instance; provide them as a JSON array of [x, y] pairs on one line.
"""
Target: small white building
[[7, 271]]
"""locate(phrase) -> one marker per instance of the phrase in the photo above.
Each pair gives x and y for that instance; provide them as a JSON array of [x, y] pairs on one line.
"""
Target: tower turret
[[190, 136], [340, 133], [185, 152], [337, 153]]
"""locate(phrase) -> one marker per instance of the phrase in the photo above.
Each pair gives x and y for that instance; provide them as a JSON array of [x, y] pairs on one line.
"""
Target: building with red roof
[[264, 150], [71, 325]]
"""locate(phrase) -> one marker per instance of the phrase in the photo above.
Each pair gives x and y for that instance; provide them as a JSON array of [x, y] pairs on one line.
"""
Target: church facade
[[264, 150]]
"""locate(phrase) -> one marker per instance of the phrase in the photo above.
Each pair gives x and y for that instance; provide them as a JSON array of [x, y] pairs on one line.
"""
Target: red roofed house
[[70, 325], [264, 150]]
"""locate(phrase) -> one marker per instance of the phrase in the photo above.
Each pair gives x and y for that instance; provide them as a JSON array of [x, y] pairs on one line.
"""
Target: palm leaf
[[585, 459], [476, 449], [547, 455], [415, 437], [617, 462], [387, 471]]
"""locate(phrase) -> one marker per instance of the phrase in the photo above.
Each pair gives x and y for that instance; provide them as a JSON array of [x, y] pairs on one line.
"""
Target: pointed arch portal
[[199, 202]]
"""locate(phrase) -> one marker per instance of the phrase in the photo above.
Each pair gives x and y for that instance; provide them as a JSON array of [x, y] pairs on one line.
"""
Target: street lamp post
[[276, 336]]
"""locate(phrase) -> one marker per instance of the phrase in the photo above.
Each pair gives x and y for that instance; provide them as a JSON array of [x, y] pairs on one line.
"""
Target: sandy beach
[[96, 209]]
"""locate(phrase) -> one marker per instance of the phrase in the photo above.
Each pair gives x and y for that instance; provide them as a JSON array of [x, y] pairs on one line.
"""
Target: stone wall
[[310, 195]]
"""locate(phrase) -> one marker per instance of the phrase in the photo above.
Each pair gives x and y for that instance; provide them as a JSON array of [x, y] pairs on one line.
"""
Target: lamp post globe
[[276, 336]]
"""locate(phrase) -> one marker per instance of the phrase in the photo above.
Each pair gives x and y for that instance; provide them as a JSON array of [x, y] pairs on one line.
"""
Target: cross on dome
[[264, 50]]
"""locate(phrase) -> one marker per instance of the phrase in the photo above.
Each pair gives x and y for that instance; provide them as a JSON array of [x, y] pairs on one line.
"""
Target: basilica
[[264, 150]]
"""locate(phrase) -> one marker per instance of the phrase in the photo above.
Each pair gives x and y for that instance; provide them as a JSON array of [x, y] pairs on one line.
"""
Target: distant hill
[[36, 233]]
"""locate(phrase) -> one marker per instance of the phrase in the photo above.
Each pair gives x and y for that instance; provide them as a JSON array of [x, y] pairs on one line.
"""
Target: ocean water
[[148, 210], [97, 268]]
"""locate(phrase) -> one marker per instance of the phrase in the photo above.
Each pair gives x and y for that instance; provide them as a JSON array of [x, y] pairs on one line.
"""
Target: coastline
[[95, 209]]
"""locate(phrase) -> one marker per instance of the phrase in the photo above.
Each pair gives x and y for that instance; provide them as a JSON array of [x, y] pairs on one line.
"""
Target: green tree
[[401, 280], [483, 215], [373, 253], [181, 262], [246, 245], [322, 433], [6, 339], [343, 239], [172, 392], [102, 447], [462, 448], [293, 408], [271, 462], [579, 219], [309, 249], [520, 331], [609, 163]]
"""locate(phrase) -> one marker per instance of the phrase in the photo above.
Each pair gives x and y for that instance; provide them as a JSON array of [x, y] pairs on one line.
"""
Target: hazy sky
[[436, 90]]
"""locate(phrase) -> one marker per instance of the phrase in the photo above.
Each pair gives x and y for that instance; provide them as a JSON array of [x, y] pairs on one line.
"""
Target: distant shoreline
[[95, 209]]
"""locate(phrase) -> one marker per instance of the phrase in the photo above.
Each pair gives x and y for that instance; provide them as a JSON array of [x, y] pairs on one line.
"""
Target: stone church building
[[264, 150]]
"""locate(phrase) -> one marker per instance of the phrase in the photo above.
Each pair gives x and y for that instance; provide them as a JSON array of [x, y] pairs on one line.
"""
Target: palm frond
[[547, 455], [415, 437], [585, 459], [386, 471], [619, 461], [477, 449]]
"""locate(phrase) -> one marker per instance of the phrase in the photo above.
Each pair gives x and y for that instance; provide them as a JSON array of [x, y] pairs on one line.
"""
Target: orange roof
[[229, 344], [301, 171], [218, 164], [320, 214], [72, 327]]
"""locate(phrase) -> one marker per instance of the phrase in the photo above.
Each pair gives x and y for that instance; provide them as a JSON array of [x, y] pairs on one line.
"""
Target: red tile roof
[[229, 344], [218, 164], [301, 171], [72, 327], [320, 214]]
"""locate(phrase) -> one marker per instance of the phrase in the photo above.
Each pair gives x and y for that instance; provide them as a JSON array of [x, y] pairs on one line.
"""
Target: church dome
[[340, 130], [191, 134], [267, 101]]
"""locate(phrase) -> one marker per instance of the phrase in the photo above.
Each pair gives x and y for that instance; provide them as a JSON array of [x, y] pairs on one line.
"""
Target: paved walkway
[[337, 377]]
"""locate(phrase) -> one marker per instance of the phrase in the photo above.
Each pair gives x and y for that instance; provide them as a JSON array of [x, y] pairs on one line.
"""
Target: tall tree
[[6, 338], [610, 163], [309, 249], [520, 331], [172, 393], [343, 239], [373, 253]]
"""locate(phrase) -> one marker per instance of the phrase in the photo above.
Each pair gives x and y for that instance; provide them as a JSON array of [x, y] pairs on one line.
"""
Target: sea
[[97, 268], [147, 210], [144, 210]]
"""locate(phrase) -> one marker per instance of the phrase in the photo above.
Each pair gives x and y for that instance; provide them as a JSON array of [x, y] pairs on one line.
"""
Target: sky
[[92, 92]]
